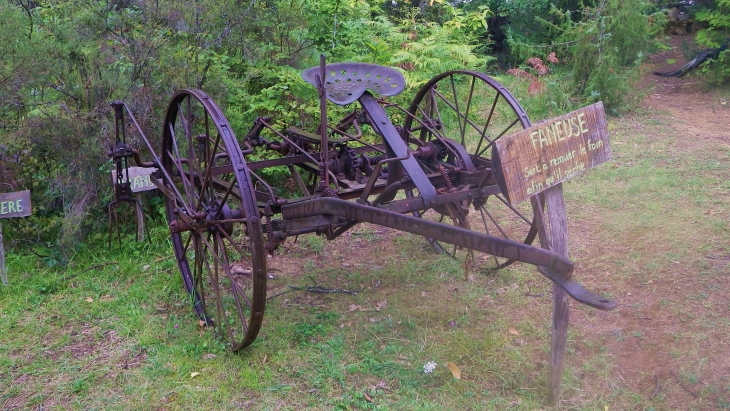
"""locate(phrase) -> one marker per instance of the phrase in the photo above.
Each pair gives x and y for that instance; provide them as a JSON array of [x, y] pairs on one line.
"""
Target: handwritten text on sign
[[138, 177], [15, 204], [546, 154]]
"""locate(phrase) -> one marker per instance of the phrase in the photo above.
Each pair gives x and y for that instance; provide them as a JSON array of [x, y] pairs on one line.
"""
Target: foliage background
[[63, 62]]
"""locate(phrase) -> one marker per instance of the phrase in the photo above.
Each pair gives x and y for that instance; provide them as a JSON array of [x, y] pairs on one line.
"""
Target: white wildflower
[[429, 367]]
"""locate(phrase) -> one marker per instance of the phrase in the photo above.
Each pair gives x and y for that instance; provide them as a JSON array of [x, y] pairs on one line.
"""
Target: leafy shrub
[[606, 48], [716, 34]]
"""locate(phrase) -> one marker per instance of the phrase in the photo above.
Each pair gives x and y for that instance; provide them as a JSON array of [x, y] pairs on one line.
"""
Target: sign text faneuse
[[15, 204], [539, 157]]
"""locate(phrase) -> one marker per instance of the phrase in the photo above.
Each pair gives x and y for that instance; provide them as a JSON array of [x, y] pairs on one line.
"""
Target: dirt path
[[698, 110], [667, 341]]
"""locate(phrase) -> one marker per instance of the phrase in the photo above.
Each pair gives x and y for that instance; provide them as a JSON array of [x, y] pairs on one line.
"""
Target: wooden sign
[[546, 154], [15, 204], [139, 178]]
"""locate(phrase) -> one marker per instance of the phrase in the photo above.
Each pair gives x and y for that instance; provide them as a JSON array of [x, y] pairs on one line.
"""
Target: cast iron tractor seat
[[344, 83]]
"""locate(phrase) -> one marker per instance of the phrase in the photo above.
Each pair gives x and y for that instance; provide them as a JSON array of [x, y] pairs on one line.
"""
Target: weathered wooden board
[[139, 178], [546, 154], [15, 204]]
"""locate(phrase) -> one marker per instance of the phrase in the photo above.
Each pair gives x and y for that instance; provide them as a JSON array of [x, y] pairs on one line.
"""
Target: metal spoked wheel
[[214, 220], [462, 113]]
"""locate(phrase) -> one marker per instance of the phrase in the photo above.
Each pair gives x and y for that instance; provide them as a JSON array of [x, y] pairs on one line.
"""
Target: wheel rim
[[214, 220], [468, 110]]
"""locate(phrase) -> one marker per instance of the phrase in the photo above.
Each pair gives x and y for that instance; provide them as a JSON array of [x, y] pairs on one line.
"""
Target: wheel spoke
[[470, 110], [486, 125], [186, 183], [506, 129]]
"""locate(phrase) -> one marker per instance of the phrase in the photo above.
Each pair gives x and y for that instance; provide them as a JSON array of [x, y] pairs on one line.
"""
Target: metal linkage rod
[[458, 236]]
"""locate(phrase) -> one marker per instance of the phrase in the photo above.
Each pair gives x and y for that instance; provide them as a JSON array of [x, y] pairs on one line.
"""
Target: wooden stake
[[139, 216], [557, 240], [3, 269]]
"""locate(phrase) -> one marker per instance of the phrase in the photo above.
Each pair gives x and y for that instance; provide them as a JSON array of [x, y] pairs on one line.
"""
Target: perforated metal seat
[[345, 82]]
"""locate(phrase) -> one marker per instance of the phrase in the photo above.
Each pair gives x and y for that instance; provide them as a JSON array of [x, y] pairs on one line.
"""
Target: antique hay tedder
[[426, 169]]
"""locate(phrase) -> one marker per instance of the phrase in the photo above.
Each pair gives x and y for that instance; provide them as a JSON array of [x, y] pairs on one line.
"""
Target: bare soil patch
[[699, 111], [666, 340]]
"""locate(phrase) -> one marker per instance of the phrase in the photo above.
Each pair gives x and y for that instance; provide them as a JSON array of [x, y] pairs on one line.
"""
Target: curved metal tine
[[451, 254], [508, 128], [434, 244], [113, 211]]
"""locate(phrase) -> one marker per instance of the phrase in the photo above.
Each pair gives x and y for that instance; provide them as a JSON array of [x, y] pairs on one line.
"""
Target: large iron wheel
[[214, 220], [463, 113]]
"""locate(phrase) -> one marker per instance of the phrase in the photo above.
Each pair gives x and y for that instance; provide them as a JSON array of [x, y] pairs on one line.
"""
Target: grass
[[113, 328]]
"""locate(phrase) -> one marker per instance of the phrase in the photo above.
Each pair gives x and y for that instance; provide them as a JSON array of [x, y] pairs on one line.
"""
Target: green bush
[[716, 34], [605, 50]]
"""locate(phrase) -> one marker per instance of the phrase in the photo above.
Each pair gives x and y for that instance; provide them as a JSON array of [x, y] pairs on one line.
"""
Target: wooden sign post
[[15, 204], [536, 161], [139, 180]]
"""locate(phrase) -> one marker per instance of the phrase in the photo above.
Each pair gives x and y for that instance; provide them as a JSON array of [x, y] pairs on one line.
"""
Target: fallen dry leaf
[[455, 371], [89, 300], [513, 331], [194, 374]]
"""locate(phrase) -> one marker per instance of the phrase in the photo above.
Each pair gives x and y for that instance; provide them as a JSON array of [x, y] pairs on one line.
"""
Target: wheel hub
[[211, 218]]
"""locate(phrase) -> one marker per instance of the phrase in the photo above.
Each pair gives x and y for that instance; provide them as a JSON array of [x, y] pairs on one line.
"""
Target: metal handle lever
[[577, 291]]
